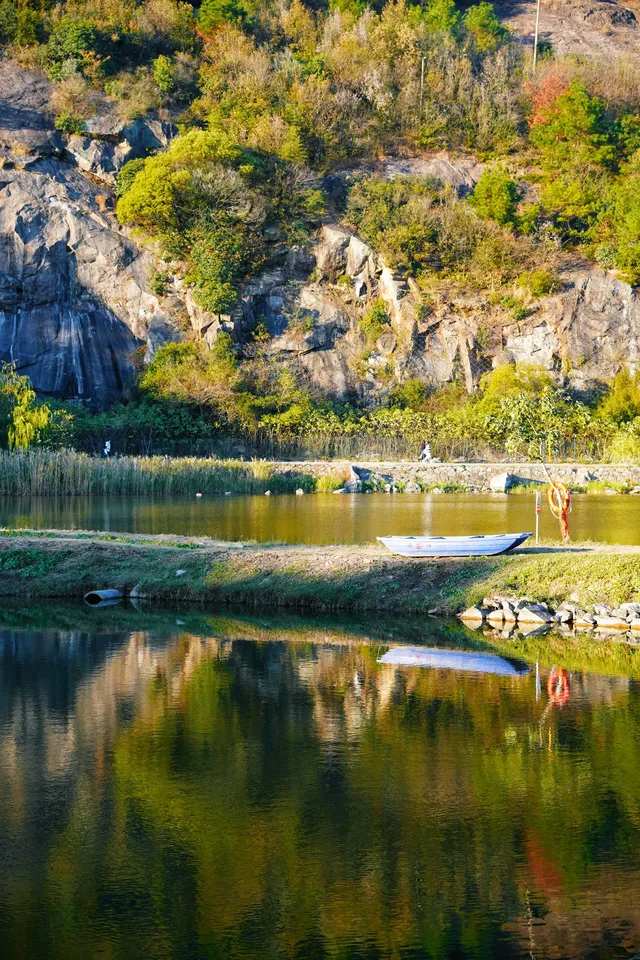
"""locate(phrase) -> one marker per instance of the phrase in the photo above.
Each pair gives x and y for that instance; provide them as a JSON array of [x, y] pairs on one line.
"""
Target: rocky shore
[[528, 617]]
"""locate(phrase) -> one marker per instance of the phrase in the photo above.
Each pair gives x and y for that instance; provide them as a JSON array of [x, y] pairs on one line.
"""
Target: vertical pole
[[535, 38], [538, 512], [421, 85]]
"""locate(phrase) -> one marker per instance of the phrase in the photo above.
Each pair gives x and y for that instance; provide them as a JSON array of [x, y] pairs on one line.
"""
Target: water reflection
[[228, 788], [325, 518]]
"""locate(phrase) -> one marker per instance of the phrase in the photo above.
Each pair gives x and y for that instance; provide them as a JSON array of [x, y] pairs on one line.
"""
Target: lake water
[[326, 518], [179, 786]]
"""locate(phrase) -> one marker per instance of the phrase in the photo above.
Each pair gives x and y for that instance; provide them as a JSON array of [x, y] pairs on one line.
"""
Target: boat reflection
[[461, 660]]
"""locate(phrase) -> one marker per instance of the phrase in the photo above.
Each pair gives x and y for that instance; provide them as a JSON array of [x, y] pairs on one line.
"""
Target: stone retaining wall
[[476, 476]]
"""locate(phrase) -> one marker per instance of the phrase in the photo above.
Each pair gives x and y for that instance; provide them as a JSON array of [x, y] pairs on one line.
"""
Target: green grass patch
[[328, 482]]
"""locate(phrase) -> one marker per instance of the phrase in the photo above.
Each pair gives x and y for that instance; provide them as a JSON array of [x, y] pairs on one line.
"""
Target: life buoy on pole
[[558, 687], [559, 499]]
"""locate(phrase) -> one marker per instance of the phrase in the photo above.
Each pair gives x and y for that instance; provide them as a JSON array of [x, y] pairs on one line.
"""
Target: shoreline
[[68, 473], [360, 578]]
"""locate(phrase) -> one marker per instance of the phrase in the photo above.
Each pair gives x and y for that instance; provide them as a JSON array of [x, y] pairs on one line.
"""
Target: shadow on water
[[206, 785]]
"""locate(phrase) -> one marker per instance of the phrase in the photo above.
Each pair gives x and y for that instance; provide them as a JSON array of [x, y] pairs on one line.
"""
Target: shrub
[[159, 283], [126, 176], [496, 196], [163, 74], [605, 255], [214, 13], [375, 321], [327, 483], [72, 45], [481, 23], [441, 16], [539, 282], [220, 255], [68, 123], [573, 130]]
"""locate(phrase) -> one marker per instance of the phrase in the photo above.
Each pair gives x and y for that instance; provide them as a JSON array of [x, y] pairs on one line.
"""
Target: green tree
[[164, 74], [22, 418], [441, 16], [623, 216], [73, 42], [496, 196], [621, 402], [574, 131], [481, 23], [214, 13]]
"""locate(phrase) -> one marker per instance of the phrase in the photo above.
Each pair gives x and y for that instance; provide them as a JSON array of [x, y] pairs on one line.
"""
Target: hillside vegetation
[[271, 97]]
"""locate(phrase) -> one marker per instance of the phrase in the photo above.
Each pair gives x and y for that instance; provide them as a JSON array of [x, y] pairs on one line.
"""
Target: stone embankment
[[507, 614], [435, 477]]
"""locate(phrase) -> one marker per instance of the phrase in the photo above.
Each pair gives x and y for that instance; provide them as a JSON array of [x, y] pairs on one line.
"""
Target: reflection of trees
[[241, 799]]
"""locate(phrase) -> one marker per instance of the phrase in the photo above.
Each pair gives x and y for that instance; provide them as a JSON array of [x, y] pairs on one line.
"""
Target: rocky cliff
[[77, 312], [75, 304]]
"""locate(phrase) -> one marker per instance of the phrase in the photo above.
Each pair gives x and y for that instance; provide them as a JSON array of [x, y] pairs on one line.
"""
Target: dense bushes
[[191, 400], [421, 227], [210, 203]]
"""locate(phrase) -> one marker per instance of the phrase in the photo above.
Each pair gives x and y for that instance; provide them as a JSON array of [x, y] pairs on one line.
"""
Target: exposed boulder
[[110, 143]]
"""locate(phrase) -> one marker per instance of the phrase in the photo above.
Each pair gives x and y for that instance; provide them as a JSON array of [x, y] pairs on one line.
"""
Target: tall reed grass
[[67, 473]]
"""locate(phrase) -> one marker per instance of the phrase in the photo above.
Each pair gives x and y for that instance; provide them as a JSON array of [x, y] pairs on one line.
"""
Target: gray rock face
[[74, 305], [111, 143]]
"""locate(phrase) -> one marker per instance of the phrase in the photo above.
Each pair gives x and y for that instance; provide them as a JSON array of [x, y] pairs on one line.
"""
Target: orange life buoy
[[558, 687], [559, 499]]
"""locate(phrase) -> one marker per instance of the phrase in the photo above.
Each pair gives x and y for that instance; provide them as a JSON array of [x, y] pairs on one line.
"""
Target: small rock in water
[[473, 613], [198, 494], [611, 623], [532, 629], [343, 490], [299, 492], [267, 493], [179, 573], [436, 490], [585, 622], [227, 493]]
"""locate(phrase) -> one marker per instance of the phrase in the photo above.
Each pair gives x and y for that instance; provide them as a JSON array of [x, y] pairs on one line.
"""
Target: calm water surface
[[173, 787], [357, 518]]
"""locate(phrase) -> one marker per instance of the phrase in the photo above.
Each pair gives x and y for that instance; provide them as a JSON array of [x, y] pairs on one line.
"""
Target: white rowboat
[[459, 660], [454, 546]]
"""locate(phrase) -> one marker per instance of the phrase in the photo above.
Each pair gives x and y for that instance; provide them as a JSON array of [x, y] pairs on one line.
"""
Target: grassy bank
[[350, 578]]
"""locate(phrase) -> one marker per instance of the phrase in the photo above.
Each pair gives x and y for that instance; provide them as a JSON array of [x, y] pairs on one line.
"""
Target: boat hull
[[480, 546]]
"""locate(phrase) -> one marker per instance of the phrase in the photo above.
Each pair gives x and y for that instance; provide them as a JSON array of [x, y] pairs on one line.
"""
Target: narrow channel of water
[[211, 787], [326, 518]]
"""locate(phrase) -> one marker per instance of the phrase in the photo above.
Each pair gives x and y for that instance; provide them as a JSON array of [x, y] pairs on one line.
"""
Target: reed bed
[[67, 473]]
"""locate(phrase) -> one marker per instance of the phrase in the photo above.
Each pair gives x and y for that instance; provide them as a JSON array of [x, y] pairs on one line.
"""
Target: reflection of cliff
[[298, 799]]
